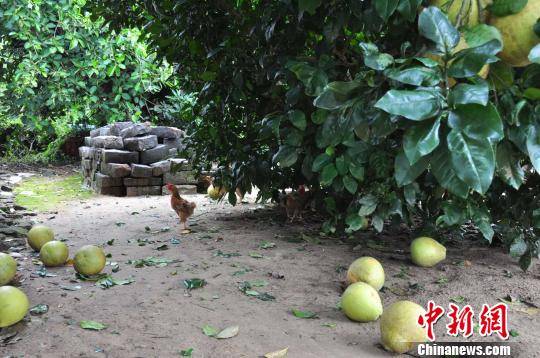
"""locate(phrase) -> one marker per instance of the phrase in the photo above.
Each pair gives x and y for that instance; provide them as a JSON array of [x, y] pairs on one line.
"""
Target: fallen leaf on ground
[[277, 354], [304, 314], [193, 283], [92, 325], [256, 255], [109, 281], [267, 245], [329, 325], [228, 332], [150, 261], [209, 330], [186, 352], [39, 309], [458, 299]]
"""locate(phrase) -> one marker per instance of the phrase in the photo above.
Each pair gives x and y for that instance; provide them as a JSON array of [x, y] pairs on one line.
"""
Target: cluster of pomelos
[[361, 302], [14, 304]]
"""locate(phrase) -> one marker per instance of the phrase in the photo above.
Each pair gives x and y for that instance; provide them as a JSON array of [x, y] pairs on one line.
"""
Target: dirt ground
[[155, 316]]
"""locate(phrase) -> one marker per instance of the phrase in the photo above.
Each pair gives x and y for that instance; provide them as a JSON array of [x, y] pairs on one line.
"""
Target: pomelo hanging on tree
[[460, 12], [518, 34]]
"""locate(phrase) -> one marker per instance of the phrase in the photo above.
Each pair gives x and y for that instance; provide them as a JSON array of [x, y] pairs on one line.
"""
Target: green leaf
[[342, 165], [309, 6], [435, 26], [421, 139], [534, 55], [536, 218], [477, 122], [304, 314], [501, 8], [369, 205], [193, 283], [357, 171], [533, 146], [39, 309], [298, 119], [321, 161], [532, 93], [508, 165], [470, 94], [375, 59], [501, 75], [355, 222], [209, 330], [328, 174], [415, 105], [482, 219], [319, 116], [378, 223], [525, 261], [481, 34], [441, 166], [472, 159], [409, 8], [186, 352], [92, 325], [385, 8], [337, 95], [405, 173], [286, 156], [415, 76], [350, 184], [469, 62]]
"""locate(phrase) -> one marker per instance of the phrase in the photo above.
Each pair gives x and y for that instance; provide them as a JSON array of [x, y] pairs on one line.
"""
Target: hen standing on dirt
[[184, 209]]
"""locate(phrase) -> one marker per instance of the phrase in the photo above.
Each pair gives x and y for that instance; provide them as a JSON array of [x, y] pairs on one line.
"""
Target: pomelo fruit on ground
[[427, 252], [361, 302], [89, 260], [464, 11], [366, 269], [8, 268], [518, 34], [54, 253], [400, 330], [13, 305], [39, 235]]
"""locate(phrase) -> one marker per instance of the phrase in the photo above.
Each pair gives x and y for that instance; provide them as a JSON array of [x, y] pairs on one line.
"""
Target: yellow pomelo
[[427, 252], [400, 330], [54, 253], [518, 34], [213, 192], [460, 12], [39, 235], [13, 305], [89, 260], [8, 268], [368, 270], [361, 302]]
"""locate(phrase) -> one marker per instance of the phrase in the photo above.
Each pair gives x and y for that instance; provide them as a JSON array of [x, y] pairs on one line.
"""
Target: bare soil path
[[155, 316]]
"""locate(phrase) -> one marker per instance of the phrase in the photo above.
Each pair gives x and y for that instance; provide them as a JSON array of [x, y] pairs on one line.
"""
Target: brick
[[171, 143], [119, 156], [167, 132], [112, 190], [143, 190], [141, 171], [141, 143], [105, 130], [135, 129], [86, 152], [88, 141], [117, 127], [153, 181], [182, 190], [160, 168], [115, 170], [86, 164], [180, 164], [102, 181], [108, 142], [181, 177], [154, 155]]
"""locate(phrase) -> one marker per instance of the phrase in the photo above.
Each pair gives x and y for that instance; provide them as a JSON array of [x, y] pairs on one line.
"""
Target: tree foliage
[[378, 106], [61, 69]]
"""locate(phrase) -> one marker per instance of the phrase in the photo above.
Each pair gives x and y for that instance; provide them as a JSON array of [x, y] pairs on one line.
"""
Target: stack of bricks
[[133, 159]]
